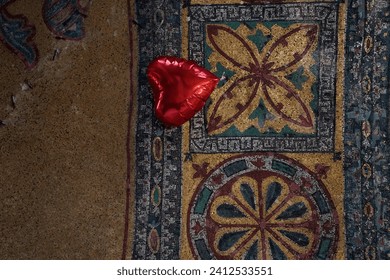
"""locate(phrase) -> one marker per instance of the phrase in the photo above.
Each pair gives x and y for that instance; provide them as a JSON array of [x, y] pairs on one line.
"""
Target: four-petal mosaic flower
[[261, 74]]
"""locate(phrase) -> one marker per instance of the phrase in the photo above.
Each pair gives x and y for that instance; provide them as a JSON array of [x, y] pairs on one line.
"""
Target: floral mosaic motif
[[272, 67], [263, 206], [262, 220]]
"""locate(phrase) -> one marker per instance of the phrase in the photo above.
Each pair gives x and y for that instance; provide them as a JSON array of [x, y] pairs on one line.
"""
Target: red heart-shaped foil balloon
[[180, 88]]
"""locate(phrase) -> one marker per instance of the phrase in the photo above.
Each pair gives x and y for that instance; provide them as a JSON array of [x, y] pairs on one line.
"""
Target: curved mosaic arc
[[263, 206], [17, 34]]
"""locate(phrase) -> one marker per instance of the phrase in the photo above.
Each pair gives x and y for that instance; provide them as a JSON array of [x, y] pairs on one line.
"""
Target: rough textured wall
[[62, 155]]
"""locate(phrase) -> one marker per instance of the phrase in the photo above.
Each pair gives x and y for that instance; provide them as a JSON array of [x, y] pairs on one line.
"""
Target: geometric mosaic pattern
[[265, 68], [262, 207], [289, 159]]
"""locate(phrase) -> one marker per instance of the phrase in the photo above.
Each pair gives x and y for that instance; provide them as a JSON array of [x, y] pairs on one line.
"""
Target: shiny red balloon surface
[[180, 88]]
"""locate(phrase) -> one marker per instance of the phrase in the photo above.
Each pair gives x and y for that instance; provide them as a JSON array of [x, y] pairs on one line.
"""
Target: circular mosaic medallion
[[263, 206]]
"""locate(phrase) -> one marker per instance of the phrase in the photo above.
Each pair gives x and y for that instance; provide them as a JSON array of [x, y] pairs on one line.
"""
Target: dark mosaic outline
[[326, 15]]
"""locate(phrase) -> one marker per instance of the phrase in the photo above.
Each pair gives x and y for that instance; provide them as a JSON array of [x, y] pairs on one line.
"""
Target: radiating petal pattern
[[298, 238], [273, 192], [278, 223], [248, 194], [229, 211], [253, 251], [262, 206], [276, 252], [294, 211], [229, 239]]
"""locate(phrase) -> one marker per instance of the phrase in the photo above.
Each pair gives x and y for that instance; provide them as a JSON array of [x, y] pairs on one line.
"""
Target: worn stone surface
[[62, 142]]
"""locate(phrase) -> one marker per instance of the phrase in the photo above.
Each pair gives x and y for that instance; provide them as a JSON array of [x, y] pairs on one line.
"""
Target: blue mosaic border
[[159, 33], [366, 134]]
